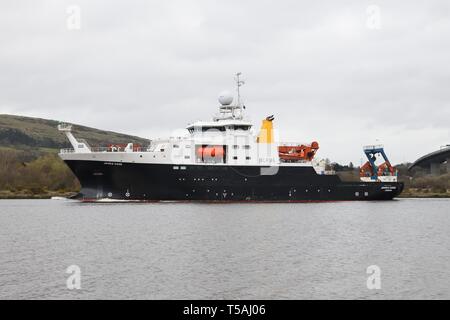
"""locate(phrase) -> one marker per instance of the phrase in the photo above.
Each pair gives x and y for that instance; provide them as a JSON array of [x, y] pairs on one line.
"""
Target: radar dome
[[225, 98]]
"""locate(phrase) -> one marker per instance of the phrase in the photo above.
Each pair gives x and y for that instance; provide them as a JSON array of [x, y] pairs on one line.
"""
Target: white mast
[[239, 83], [227, 110]]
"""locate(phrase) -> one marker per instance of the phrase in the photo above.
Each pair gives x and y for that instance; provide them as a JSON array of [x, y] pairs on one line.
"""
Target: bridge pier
[[435, 168]]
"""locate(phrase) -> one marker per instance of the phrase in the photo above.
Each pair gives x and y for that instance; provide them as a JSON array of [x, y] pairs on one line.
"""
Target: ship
[[222, 160]]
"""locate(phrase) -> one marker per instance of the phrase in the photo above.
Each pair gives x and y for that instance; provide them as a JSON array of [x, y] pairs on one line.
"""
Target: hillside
[[29, 164], [27, 133]]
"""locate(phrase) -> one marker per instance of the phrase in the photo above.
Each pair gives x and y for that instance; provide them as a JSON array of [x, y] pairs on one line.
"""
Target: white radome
[[225, 98]]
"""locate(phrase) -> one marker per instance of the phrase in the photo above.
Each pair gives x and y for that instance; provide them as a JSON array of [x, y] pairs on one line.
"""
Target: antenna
[[239, 83]]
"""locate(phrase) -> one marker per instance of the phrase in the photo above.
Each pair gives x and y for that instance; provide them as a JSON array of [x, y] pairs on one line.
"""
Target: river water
[[225, 251]]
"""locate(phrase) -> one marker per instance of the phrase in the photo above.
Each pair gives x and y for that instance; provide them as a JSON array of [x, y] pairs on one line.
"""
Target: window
[[235, 146], [247, 158], [239, 127], [210, 128], [246, 147], [187, 146], [175, 146], [235, 158], [187, 157]]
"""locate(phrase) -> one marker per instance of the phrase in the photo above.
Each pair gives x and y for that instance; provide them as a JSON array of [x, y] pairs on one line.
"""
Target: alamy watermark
[[373, 20], [73, 20], [74, 280], [374, 279]]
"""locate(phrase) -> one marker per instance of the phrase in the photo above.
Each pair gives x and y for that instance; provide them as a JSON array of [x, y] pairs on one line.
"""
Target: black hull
[[161, 182]]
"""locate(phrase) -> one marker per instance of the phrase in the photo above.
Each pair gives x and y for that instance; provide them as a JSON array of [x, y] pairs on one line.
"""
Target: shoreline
[[5, 195]]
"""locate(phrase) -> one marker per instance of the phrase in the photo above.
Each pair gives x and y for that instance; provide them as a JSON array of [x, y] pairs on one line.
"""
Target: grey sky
[[147, 67]]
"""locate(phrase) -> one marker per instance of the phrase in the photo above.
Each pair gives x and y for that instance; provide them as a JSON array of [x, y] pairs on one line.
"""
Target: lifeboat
[[366, 170], [298, 152], [208, 152], [386, 169]]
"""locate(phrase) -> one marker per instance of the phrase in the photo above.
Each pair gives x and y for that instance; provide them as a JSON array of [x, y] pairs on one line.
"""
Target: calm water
[[225, 251]]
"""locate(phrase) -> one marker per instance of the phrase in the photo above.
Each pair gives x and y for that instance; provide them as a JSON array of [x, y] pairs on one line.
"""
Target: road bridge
[[433, 160]]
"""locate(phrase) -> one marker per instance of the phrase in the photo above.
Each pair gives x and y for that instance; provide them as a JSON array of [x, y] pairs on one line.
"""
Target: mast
[[228, 110], [239, 83]]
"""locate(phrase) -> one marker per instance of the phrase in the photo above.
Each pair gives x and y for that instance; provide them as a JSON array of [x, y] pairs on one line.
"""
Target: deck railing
[[67, 150], [105, 149], [372, 147]]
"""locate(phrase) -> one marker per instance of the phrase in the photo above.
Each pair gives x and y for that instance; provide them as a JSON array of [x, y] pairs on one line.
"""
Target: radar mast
[[227, 110], [239, 83]]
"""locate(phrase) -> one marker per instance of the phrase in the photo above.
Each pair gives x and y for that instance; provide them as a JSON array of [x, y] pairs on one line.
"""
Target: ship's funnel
[[266, 132]]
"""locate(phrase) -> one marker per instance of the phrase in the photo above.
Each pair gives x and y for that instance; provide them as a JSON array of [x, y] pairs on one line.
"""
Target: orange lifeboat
[[366, 170], [208, 152], [385, 169], [298, 152]]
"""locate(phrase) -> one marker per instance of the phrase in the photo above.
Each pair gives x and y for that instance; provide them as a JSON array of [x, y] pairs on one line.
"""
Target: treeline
[[41, 173], [419, 180], [16, 137]]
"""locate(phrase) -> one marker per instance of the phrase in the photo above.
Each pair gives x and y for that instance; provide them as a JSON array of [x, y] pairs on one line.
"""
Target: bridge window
[[239, 127], [210, 128]]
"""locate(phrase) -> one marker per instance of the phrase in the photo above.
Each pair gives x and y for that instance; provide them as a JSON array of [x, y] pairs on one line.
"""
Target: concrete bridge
[[433, 160]]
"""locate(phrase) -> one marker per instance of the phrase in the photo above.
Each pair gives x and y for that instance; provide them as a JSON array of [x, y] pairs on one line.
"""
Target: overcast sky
[[344, 73]]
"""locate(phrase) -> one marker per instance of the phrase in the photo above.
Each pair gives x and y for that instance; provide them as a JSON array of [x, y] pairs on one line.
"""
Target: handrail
[[105, 149], [68, 150], [373, 146]]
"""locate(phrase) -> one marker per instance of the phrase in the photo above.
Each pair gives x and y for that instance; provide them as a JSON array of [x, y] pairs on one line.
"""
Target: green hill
[[27, 133], [29, 164]]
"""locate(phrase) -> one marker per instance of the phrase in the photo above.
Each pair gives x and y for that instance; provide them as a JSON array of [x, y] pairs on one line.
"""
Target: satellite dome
[[225, 98]]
